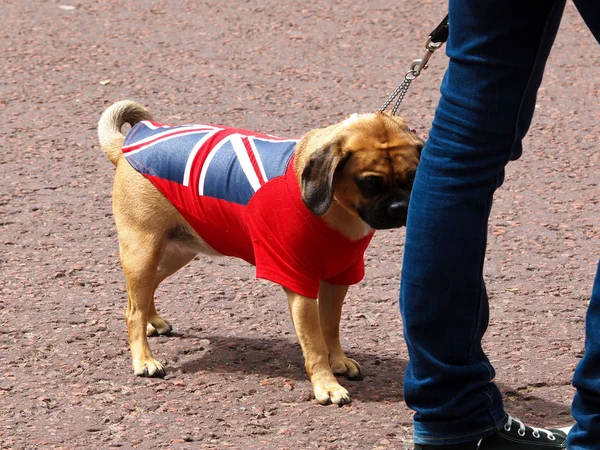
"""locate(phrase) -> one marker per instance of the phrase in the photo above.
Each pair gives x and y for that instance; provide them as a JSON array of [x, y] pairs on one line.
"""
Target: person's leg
[[591, 15], [497, 52], [586, 404]]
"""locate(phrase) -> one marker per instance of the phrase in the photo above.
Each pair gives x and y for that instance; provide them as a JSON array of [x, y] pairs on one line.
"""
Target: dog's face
[[366, 163]]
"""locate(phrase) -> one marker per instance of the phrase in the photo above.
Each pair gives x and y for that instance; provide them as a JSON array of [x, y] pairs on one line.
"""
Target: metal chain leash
[[399, 92], [436, 40]]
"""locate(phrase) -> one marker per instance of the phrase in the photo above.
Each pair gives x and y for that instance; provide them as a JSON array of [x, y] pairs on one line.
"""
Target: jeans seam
[[516, 137], [481, 291], [534, 66]]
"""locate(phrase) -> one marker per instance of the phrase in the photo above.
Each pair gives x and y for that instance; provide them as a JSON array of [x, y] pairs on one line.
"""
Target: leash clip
[[436, 39], [418, 65]]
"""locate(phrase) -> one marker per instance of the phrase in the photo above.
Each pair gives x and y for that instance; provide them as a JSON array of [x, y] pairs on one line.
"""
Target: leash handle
[[436, 39], [440, 33]]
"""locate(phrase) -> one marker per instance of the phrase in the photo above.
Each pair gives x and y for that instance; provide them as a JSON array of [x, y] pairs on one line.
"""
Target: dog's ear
[[318, 174]]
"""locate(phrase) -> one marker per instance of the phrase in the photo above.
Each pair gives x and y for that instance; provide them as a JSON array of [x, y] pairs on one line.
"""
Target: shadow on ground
[[282, 358], [383, 375]]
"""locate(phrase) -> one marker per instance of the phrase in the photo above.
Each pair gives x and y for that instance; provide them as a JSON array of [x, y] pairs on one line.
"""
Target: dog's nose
[[397, 209]]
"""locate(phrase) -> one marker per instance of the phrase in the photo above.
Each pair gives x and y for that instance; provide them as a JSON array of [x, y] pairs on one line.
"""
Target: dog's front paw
[[341, 365], [330, 392], [148, 368], [158, 325]]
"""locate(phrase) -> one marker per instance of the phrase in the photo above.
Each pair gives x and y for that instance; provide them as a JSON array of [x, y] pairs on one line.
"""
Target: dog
[[302, 211]]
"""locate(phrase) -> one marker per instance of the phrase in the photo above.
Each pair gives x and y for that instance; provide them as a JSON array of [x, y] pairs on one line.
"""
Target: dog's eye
[[370, 186]]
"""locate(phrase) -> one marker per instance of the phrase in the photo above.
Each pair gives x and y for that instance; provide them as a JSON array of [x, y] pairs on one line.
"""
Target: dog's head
[[366, 163]]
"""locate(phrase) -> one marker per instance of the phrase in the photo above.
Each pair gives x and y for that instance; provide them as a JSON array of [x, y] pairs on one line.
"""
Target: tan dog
[[354, 177]]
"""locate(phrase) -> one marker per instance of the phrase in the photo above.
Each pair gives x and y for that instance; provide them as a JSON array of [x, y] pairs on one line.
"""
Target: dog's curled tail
[[110, 124]]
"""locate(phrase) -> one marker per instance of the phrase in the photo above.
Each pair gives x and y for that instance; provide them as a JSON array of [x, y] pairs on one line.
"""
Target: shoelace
[[522, 429]]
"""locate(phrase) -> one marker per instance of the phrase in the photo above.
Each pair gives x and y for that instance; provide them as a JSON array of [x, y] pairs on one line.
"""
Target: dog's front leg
[[331, 300], [305, 316]]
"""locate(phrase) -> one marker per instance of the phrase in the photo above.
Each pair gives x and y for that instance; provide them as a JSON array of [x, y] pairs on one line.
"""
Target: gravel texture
[[235, 372]]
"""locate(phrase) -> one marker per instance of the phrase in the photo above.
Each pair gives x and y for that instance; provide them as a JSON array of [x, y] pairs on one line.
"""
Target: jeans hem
[[459, 439]]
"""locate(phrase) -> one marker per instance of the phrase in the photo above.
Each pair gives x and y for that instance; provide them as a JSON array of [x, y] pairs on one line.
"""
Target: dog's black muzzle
[[386, 213]]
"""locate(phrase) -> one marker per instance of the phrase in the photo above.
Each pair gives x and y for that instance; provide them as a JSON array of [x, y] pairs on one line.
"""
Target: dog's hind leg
[[140, 254], [174, 256]]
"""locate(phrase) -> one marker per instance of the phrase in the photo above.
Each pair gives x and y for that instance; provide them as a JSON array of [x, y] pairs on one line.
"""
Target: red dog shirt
[[238, 190]]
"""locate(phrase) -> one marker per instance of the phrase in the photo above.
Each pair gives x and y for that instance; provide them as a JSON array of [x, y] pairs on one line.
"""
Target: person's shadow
[[383, 375]]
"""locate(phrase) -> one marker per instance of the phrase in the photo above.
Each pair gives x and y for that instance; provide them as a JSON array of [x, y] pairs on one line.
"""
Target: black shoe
[[513, 435]]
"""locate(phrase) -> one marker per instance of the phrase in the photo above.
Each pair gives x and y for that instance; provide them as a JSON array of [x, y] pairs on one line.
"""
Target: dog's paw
[[346, 366], [149, 368], [158, 325], [328, 393]]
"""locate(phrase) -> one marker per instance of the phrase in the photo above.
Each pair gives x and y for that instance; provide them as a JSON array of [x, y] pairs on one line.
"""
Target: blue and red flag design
[[239, 192], [226, 163]]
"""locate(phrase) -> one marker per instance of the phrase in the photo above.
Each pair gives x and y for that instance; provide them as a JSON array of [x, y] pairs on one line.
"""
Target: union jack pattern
[[219, 162]]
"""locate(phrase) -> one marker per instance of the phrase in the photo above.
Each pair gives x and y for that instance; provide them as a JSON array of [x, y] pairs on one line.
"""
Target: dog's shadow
[[383, 374], [281, 358]]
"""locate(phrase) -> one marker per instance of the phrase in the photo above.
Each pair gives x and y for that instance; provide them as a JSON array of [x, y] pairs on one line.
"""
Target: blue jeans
[[497, 50]]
